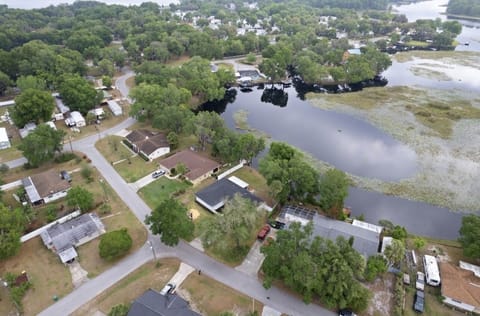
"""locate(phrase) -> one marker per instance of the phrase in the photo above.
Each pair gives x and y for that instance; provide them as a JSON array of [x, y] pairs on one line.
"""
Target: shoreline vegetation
[[440, 126]]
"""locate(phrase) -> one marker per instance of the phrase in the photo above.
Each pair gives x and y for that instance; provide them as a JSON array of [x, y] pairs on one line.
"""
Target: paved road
[[185, 252]]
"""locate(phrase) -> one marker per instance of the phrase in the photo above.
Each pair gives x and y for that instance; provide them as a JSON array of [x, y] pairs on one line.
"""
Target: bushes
[[64, 157], [376, 265], [115, 244], [399, 296]]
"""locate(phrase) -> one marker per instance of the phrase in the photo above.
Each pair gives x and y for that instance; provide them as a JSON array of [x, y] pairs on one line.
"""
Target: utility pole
[[153, 250]]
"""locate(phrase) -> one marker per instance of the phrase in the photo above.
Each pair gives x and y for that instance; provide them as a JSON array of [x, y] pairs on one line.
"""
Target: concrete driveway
[[253, 261]]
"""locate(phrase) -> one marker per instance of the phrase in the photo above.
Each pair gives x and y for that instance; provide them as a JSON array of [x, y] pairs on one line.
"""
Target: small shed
[[4, 140], [27, 129], [115, 107], [78, 119]]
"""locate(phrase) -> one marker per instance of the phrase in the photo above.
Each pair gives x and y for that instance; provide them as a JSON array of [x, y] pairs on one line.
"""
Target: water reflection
[[346, 142], [417, 217], [275, 96]]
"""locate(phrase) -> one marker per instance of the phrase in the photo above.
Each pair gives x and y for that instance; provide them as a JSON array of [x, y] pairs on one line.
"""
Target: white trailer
[[432, 273]]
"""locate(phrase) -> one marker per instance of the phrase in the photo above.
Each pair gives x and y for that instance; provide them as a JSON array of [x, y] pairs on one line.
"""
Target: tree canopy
[[42, 144], [470, 236], [32, 105], [79, 197], [286, 171], [231, 231], [316, 267], [333, 190], [115, 244], [78, 93], [12, 226], [170, 220]]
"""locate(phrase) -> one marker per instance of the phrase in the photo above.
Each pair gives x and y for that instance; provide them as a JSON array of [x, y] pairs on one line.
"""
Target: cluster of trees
[[470, 236], [289, 176], [12, 226], [231, 233], [316, 267], [114, 244], [42, 145], [464, 7]]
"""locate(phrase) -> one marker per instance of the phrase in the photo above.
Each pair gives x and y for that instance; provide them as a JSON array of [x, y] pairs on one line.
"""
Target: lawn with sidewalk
[[161, 189], [205, 295], [130, 166]]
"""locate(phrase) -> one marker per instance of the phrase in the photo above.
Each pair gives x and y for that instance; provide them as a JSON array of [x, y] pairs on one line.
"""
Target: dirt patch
[[382, 299], [194, 213]]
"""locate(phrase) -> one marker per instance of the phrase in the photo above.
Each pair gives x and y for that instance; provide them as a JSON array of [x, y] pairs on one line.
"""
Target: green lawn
[[161, 189]]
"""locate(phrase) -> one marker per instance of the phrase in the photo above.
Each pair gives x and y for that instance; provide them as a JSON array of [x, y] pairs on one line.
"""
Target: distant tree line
[[464, 7]]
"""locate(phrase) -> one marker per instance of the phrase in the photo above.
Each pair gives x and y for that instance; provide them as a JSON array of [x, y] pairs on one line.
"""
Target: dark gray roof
[[365, 241], [152, 303], [223, 190], [62, 236]]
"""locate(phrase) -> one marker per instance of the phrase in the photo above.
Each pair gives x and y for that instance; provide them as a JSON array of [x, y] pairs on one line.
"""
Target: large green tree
[[395, 252], [12, 225], [333, 190], [470, 236], [285, 169], [32, 106], [170, 220], [115, 244], [41, 145], [80, 197], [316, 267], [232, 228], [79, 94]]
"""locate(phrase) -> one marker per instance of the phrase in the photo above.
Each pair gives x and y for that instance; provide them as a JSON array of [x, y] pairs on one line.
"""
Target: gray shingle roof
[[152, 303], [223, 190], [365, 241]]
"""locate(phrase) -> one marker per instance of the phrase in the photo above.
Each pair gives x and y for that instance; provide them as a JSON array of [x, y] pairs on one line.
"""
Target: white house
[[115, 107], [4, 140], [45, 187], [152, 145], [27, 129], [77, 119]]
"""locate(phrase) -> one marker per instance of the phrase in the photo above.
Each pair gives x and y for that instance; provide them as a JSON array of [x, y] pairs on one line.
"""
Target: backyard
[[163, 188]]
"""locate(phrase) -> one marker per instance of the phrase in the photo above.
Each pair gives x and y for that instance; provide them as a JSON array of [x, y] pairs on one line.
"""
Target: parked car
[[158, 173], [419, 302], [168, 289], [420, 282], [65, 175], [276, 224], [346, 312], [263, 232]]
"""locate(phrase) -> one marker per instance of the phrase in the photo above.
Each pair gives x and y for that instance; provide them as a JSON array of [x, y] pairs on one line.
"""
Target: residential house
[[4, 140], [461, 286], [76, 119], [198, 167], [152, 303], [214, 196], [62, 238], [45, 187], [365, 241], [351, 52], [61, 107], [115, 107], [150, 144]]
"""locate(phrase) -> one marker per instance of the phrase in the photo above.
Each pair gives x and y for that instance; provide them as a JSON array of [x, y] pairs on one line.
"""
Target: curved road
[[241, 282]]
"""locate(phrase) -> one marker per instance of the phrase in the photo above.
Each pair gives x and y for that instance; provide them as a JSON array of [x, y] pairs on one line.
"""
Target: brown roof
[[49, 182], [147, 141], [197, 164], [459, 284]]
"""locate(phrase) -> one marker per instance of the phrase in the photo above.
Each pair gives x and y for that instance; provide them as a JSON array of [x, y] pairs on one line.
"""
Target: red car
[[263, 232]]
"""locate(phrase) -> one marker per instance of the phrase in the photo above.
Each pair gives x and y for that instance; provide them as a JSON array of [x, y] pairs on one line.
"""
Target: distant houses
[[151, 145], [45, 187]]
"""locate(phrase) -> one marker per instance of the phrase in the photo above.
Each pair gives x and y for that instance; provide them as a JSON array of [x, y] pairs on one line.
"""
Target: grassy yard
[[130, 166], [48, 275], [211, 297], [256, 182], [128, 289], [204, 294], [161, 189]]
